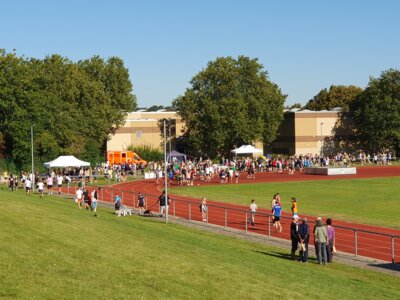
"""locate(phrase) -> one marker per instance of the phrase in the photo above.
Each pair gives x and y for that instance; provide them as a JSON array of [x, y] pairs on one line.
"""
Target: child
[[253, 209], [203, 209], [277, 217], [294, 207], [40, 186]]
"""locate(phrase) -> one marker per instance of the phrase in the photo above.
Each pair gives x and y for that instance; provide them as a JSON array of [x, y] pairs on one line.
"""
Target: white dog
[[124, 211]]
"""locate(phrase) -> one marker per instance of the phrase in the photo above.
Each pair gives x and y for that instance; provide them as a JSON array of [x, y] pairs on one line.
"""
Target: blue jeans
[[322, 257]]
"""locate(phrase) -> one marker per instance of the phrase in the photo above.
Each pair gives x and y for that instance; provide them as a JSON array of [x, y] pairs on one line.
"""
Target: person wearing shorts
[[28, 185], [40, 188], [277, 217], [203, 209], [117, 203], [79, 194], [253, 209], [141, 203], [59, 183], [49, 183]]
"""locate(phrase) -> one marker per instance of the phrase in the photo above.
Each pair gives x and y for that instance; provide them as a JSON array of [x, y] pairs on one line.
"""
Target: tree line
[[72, 106], [232, 102]]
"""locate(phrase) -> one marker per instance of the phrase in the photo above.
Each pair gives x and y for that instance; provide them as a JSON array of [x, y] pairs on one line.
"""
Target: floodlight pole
[[165, 175], [33, 168]]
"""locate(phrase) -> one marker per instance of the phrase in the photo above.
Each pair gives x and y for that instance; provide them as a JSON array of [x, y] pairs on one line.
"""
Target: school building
[[304, 131], [142, 129], [301, 131]]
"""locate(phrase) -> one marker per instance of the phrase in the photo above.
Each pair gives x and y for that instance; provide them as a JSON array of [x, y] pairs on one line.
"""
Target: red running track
[[349, 236]]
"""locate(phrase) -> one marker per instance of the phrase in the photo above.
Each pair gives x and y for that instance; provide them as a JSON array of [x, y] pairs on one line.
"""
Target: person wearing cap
[[304, 235], [294, 235]]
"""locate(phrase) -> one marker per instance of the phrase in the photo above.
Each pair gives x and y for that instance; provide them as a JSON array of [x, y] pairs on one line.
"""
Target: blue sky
[[304, 45]]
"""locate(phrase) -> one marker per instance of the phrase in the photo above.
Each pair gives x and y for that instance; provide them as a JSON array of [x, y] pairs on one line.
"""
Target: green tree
[[376, 113], [74, 107], [230, 103], [336, 96]]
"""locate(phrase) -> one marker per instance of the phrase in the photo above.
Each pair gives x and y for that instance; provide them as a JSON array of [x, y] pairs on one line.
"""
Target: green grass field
[[373, 201], [49, 249]]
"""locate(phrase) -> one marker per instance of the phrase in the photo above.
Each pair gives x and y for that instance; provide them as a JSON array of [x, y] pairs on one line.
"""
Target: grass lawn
[[373, 201], [49, 249]]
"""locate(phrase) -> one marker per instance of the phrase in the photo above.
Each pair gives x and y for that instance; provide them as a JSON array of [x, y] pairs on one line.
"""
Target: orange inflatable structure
[[124, 157]]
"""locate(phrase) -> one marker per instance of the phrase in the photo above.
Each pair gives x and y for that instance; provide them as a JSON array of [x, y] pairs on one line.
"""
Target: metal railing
[[357, 242]]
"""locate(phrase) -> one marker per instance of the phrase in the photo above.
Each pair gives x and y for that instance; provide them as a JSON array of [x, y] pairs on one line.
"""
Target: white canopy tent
[[66, 161], [247, 149]]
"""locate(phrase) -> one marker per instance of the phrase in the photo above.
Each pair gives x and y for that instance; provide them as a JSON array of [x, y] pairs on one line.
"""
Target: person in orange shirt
[[294, 207]]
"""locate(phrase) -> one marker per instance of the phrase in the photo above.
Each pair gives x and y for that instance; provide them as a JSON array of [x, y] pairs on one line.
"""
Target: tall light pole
[[33, 168], [321, 139], [165, 175]]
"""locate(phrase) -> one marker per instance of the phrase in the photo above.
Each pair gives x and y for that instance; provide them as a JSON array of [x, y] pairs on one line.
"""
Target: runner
[[40, 186], [253, 210], [277, 217]]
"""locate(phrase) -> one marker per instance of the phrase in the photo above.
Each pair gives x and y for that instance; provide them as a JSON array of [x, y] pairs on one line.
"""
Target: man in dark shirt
[[304, 234], [294, 235], [161, 200]]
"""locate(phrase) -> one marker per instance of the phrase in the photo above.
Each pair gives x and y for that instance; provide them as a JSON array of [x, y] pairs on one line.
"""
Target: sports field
[[51, 249], [374, 201]]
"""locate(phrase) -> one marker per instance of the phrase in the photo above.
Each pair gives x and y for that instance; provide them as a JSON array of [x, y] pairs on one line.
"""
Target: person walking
[[203, 209], [331, 240], [277, 217], [294, 207], [321, 238], [40, 186], [60, 180], [49, 184], [294, 236], [162, 202], [253, 210], [304, 235], [117, 203], [79, 194], [94, 198], [141, 203]]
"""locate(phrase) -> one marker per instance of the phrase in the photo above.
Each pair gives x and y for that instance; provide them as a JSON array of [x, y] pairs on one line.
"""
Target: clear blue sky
[[304, 45]]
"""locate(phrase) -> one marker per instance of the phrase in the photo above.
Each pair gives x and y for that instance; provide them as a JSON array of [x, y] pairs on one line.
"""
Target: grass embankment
[[373, 201], [49, 249]]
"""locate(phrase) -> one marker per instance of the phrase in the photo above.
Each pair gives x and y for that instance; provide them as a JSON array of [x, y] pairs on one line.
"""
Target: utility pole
[[165, 175]]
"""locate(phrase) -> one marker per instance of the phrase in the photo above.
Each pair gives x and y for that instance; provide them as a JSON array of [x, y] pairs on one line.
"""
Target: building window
[[139, 134]]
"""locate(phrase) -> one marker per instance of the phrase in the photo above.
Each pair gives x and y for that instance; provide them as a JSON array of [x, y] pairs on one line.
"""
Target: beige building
[[301, 132], [141, 129], [304, 131]]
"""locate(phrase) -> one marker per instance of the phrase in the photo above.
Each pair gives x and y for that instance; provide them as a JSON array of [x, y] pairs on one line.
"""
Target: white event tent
[[247, 149], [66, 161]]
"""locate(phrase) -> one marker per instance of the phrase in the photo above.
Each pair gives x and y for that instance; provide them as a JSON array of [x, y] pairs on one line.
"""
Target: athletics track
[[369, 244]]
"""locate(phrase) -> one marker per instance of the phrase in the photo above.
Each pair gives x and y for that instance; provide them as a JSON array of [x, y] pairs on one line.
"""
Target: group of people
[[324, 239], [324, 234], [87, 200]]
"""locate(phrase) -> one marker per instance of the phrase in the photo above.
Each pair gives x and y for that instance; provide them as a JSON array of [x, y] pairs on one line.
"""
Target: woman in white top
[[203, 209]]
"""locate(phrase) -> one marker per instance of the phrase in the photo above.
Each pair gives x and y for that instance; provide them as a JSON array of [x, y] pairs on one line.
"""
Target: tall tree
[[230, 103], [74, 107], [336, 96], [377, 113]]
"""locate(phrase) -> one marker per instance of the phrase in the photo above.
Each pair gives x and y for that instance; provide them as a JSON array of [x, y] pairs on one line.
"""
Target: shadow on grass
[[281, 255], [388, 266]]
